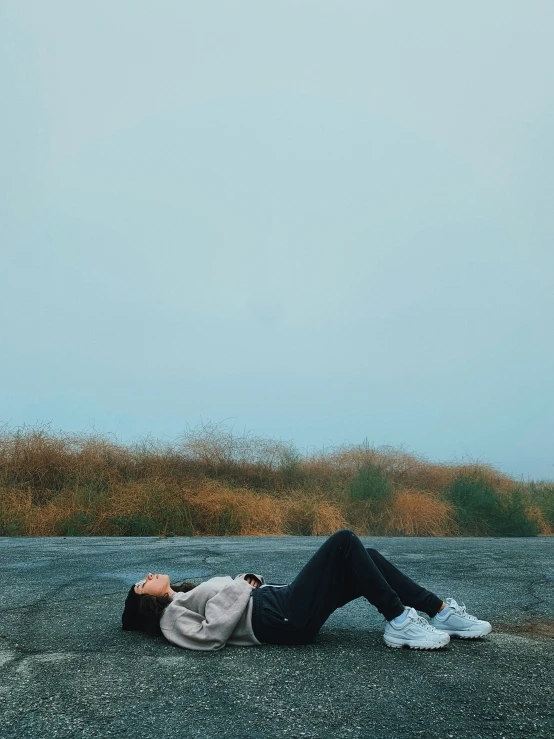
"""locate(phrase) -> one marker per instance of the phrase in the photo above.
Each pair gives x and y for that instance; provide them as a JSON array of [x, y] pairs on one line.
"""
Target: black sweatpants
[[341, 570]]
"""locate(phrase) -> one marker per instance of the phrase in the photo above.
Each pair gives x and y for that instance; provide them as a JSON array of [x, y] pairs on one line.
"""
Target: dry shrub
[[328, 519], [362, 518], [45, 521], [22, 517], [325, 474], [334, 470], [143, 508], [406, 471], [499, 481], [14, 506], [214, 482], [217, 510], [418, 474], [419, 514], [14, 501], [128, 499], [216, 444], [265, 517], [33, 459], [47, 462], [308, 516], [534, 513]]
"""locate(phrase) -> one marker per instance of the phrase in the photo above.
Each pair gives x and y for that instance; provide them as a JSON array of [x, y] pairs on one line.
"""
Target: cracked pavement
[[68, 670]]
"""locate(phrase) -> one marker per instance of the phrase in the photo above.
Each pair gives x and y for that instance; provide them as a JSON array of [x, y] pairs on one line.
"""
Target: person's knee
[[344, 534], [371, 551]]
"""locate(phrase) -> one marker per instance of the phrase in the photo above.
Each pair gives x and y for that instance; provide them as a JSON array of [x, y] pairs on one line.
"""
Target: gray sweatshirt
[[215, 613]]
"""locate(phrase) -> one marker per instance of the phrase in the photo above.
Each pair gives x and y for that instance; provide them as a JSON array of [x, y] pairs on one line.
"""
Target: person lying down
[[247, 611]]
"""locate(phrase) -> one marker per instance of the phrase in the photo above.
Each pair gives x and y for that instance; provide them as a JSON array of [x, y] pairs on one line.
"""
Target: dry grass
[[534, 513], [212, 482], [415, 513]]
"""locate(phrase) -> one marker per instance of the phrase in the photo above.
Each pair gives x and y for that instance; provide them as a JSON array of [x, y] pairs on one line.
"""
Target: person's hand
[[251, 578]]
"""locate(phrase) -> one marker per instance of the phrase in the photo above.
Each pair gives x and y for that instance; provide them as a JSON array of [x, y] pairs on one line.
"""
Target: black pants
[[341, 570]]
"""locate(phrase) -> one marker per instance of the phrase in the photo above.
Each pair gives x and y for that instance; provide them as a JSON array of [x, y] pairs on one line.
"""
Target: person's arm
[[210, 632]]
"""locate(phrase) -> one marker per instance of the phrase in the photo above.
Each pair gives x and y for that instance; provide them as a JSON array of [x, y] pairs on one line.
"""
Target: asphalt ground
[[68, 670]]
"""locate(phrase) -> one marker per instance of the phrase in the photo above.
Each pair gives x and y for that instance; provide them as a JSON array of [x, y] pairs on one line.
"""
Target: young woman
[[247, 612]]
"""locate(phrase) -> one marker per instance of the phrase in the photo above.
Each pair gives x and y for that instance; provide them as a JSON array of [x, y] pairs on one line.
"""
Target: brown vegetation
[[212, 482]]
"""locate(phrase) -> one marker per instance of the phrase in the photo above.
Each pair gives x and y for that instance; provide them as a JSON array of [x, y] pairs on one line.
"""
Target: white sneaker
[[458, 622], [414, 632]]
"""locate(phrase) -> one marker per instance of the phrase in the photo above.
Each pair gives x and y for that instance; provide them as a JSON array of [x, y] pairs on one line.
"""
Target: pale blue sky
[[316, 221]]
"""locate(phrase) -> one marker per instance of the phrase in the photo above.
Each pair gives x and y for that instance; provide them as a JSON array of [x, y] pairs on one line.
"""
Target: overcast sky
[[316, 221]]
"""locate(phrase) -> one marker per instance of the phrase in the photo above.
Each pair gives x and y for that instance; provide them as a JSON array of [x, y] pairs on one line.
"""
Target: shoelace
[[461, 611], [416, 618]]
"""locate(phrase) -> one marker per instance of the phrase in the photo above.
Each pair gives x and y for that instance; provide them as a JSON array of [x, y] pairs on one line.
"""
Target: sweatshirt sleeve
[[210, 632]]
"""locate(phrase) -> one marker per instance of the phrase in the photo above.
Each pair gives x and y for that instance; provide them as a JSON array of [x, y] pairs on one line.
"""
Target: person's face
[[153, 585]]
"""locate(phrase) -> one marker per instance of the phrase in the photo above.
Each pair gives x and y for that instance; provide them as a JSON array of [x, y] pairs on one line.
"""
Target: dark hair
[[143, 612]]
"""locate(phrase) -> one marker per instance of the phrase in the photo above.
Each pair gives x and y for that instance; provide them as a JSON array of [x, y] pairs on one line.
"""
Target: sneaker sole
[[468, 635], [393, 645]]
